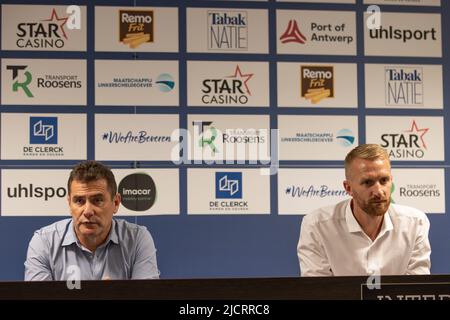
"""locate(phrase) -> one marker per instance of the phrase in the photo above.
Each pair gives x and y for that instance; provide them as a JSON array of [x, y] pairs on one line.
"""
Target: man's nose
[[88, 209], [377, 190]]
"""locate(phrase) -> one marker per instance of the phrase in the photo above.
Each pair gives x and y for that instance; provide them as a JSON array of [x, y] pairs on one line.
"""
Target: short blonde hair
[[368, 151]]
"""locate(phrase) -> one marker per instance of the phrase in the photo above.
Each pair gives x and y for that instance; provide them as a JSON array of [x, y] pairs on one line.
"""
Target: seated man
[[367, 234], [92, 242]]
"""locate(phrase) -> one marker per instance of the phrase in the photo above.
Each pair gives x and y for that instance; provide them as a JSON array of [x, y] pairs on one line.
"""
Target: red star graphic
[[247, 76], [61, 26], [414, 128]]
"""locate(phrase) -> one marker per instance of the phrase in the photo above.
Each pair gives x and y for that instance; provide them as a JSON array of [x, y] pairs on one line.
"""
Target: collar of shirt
[[353, 225], [70, 237]]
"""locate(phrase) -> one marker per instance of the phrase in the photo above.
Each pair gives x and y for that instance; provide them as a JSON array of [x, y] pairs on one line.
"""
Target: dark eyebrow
[[91, 196], [96, 195]]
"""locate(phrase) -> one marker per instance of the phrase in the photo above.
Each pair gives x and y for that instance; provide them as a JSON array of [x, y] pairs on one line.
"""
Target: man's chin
[[379, 209]]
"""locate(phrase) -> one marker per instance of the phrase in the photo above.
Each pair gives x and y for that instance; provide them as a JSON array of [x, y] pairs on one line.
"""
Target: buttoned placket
[[372, 260]]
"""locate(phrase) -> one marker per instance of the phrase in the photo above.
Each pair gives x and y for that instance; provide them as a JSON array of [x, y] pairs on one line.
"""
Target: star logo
[[55, 17], [247, 77], [415, 128]]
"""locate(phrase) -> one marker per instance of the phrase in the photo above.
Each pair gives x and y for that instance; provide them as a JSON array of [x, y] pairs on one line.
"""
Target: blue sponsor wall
[[203, 246]]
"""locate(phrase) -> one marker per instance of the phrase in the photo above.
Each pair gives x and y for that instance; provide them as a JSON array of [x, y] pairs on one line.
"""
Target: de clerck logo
[[229, 190], [43, 138], [43, 130], [229, 185]]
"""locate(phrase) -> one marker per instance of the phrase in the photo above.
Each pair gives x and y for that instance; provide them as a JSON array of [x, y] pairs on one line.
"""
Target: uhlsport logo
[[230, 89], [404, 86], [407, 144], [21, 81], [43, 130], [229, 185], [403, 35], [138, 191], [165, 82], [317, 83], [44, 33], [46, 193], [227, 30], [136, 27]]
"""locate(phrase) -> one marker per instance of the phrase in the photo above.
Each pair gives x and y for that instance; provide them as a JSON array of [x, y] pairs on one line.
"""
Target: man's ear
[[117, 199], [347, 187]]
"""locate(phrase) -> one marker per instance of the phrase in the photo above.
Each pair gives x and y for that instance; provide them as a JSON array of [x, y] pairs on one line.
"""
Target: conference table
[[423, 287]]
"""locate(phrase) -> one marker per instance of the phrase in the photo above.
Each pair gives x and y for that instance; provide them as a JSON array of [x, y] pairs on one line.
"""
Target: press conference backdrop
[[224, 121]]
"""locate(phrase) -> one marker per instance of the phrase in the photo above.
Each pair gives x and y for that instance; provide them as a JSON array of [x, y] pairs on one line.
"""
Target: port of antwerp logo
[[293, 34], [228, 185], [21, 82], [43, 130]]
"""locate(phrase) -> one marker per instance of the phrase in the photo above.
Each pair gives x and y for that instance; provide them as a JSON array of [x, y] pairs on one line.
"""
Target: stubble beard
[[376, 208]]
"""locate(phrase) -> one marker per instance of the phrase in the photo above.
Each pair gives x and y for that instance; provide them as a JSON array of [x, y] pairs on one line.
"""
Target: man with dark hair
[[367, 234], [91, 245]]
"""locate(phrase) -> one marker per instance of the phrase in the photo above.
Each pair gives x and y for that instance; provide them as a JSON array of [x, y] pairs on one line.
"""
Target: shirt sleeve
[[145, 266], [37, 264], [420, 263], [312, 257]]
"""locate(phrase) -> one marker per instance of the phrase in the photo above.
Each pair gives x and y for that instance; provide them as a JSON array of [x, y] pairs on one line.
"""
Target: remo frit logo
[[138, 191]]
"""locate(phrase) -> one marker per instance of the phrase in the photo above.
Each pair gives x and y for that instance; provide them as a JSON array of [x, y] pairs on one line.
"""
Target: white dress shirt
[[332, 243]]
